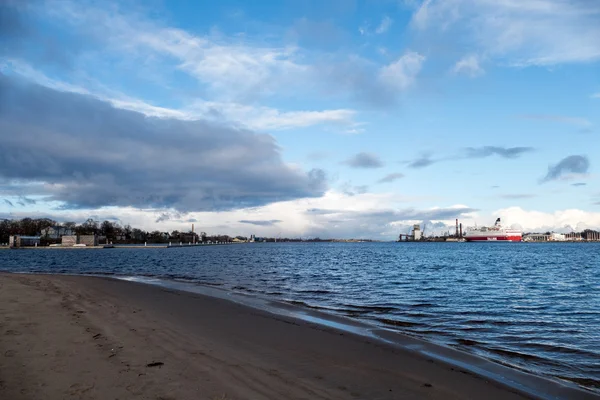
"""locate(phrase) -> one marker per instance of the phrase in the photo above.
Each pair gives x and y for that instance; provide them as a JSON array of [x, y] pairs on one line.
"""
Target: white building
[[557, 237], [417, 232]]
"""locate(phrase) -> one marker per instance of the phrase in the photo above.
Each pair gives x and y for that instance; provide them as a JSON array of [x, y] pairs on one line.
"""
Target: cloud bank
[[85, 153]]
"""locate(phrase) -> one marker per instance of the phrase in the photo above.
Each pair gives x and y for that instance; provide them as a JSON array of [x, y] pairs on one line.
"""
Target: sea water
[[533, 306]]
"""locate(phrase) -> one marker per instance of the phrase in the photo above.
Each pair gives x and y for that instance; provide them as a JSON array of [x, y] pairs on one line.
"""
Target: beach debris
[[97, 335], [155, 364], [427, 385]]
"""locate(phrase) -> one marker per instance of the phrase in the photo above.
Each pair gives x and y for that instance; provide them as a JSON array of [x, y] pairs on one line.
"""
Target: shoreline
[[450, 373], [506, 374]]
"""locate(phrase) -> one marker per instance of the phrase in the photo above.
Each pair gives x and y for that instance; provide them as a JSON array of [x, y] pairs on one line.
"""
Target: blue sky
[[331, 118]]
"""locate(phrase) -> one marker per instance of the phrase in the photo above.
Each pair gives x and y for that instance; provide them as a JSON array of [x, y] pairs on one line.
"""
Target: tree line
[[112, 231]]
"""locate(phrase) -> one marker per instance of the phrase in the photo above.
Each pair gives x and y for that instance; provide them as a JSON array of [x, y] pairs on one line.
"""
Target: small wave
[[560, 349], [395, 322], [468, 342], [367, 309], [422, 305], [244, 289], [487, 322], [314, 291], [303, 304], [588, 382], [429, 331], [521, 356]]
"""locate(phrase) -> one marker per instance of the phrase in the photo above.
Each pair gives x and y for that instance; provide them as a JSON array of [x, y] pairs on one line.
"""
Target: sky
[[331, 118]]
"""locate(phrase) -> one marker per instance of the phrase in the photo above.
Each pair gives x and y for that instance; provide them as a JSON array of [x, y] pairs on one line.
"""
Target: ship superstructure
[[493, 233]]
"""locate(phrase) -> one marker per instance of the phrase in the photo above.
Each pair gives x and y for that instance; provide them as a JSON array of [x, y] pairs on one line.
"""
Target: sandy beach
[[77, 337]]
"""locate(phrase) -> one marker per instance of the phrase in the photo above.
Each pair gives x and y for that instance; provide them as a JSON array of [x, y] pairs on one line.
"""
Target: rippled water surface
[[532, 306]]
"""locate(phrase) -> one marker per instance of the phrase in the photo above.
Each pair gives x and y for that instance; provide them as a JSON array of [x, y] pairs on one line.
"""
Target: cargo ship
[[496, 233]]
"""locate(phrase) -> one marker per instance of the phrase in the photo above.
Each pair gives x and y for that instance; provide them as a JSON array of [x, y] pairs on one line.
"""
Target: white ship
[[493, 233]]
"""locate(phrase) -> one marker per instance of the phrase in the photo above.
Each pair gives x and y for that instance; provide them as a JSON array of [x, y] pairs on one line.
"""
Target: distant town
[[47, 232]]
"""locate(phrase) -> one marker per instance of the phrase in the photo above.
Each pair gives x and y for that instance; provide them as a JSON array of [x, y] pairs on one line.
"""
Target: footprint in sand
[[12, 332]]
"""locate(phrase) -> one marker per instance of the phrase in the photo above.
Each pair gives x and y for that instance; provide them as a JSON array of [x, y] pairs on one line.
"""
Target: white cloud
[[231, 68], [118, 100], [384, 26], [560, 220], [522, 32], [335, 214], [402, 73], [468, 65], [252, 117], [265, 118], [596, 95]]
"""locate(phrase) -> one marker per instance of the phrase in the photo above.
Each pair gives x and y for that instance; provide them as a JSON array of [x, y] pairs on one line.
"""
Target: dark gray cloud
[[26, 201], [8, 202], [168, 216], [505, 152], [575, 164], [577, 184], [270, 222], [91, 154], [391, 177], [423, 161], [364, 160]]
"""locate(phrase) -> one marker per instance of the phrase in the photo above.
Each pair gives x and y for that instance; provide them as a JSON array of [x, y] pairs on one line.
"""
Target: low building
[[557, 237], [17, 241], [69, 240], [88, 240], [540, 237]]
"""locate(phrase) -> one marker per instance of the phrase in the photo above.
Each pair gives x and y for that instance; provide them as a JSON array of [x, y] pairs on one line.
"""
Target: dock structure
[[415, 235], [591, 236], [198, 244]]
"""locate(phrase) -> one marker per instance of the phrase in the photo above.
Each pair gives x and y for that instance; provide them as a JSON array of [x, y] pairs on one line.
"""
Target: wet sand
[[78, 337]]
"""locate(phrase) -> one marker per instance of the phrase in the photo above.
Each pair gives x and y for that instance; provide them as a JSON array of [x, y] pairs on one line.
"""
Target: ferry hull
[[493, 239]]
